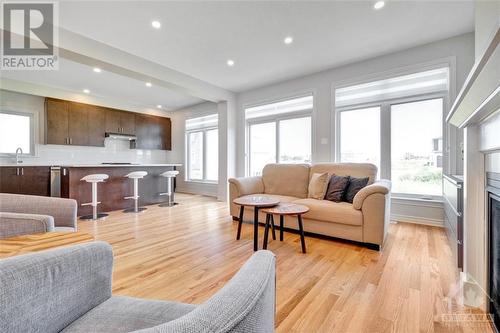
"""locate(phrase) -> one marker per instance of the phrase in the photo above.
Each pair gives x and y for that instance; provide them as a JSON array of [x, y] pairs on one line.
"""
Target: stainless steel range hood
[[120, 136]]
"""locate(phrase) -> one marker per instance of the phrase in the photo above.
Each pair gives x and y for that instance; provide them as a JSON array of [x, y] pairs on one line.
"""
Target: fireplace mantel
[[480, 94]]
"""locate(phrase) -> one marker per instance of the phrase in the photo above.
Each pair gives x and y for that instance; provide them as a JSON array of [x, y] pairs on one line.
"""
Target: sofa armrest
[[15, 224], [247, 303], [62, 210], [243, 186], [376, 208], [382, 186], [48, 290]]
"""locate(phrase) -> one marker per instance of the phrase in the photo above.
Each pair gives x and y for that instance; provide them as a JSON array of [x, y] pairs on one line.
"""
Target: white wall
[[114, 150], [458, 50], [178, 152]]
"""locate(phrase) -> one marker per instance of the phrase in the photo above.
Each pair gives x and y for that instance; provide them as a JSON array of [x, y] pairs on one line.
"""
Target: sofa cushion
[[329, 211], [336, 188], [317, 185], [357, 170], [355, 185], [127, 314], [286, 179]]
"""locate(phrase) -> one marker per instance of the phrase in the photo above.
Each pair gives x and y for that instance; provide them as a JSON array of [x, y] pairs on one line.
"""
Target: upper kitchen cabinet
[[148, 132], [69, 123], [56, 121], [120, 122]]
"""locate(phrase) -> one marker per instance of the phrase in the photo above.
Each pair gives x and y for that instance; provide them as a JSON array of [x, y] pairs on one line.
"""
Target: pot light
[[288, 40], [379, 4], [148, 84], [230, 62], [97, 70], [156, 24], [159, 106], [86, 91]]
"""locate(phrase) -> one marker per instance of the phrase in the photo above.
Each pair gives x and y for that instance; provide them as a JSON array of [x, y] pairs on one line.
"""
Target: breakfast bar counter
[[111, 192]]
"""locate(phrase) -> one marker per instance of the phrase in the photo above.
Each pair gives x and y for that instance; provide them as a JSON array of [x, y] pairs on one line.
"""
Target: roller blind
[[430, 81], [294, 105], [202, 122]]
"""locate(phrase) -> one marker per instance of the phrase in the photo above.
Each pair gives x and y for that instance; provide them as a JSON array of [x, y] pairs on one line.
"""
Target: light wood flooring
[[188, 252]]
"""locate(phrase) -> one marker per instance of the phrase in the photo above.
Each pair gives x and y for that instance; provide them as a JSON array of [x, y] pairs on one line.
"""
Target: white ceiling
[[197, 38], [75, 77]]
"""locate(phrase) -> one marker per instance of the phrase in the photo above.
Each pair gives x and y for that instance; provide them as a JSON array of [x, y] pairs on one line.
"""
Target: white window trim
[[385, 135], [33, 132], [276, 120], [188, 155]]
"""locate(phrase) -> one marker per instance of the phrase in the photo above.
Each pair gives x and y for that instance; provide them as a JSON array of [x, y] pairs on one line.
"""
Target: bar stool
[[135, 175], [170, 175], [94, 179]]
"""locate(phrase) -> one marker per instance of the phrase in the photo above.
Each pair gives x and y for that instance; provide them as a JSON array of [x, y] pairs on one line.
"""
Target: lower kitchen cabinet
[[33, 180]]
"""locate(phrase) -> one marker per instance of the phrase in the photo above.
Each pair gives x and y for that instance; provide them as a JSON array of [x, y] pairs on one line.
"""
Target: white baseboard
[[417, 220]]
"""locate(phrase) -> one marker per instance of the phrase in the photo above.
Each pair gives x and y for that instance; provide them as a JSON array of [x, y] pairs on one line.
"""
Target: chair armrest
[[243, 186], [245, 304], [48, 290], [247, 185], [62, 210], [382, 186], [15, 224]]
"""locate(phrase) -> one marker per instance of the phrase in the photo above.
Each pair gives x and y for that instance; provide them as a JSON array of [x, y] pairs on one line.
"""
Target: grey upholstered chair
[[29, 214], [69, 290]]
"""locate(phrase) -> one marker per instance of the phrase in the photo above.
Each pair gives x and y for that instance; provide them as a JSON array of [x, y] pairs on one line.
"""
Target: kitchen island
[[111, 193]]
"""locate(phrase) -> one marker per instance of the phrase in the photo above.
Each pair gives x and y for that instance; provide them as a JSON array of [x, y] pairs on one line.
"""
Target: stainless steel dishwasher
[[55, 181]]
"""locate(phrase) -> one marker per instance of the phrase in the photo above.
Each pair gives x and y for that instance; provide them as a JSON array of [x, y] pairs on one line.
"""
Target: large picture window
[[396, 124], [279, 132], [202, 140]]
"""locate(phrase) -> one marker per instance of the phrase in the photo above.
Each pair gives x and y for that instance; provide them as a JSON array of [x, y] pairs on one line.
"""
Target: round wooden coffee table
[[257, 201], [282, 210]]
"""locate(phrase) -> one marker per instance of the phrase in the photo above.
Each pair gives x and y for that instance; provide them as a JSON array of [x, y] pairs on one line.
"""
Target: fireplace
[[493, 190]]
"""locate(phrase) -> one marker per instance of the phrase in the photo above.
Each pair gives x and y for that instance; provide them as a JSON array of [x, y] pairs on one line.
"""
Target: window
[[16, 131], [396, 124], [279, 132], [202, 139], [360, 136], [416, 147]]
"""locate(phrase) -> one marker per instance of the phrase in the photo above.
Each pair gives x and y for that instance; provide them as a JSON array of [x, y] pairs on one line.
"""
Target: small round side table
[[257, 202], [282, 210]]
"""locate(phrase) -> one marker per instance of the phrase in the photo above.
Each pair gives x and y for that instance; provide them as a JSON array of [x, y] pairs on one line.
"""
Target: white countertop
[[94, 165]]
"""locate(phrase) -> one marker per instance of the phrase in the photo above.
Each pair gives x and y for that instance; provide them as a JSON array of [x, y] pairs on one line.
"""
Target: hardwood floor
[[188, 252]]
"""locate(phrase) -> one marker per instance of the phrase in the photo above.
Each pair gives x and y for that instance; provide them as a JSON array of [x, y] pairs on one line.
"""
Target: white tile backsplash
[[113, 151]]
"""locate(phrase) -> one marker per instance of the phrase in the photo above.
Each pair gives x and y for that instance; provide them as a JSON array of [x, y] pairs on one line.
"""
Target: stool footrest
[[90, 203], [132, 197]]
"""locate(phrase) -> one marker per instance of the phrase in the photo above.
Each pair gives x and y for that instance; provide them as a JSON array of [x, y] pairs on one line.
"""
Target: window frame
[[32, 119], [204, 131], [276, 120], [385, 134]]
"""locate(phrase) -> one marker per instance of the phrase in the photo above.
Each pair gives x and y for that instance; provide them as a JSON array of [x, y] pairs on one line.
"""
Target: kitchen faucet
[[19, 151]]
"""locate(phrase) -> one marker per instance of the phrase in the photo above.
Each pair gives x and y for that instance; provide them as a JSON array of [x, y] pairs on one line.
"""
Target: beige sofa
[[365, 220]]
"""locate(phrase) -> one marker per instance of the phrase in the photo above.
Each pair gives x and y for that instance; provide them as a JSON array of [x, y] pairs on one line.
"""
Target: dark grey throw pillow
[[354, 186], [336, 188]]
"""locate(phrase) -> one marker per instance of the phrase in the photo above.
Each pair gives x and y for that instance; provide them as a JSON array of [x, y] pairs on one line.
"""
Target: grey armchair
[[28, 214], [69, 290]]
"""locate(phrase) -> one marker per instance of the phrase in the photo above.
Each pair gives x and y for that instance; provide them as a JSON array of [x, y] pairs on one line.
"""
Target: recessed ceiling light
[[86, 91], [156, 24], [379, 4], [148, 84], [159, 106], [230, 62], [288, 40], [97, 70]]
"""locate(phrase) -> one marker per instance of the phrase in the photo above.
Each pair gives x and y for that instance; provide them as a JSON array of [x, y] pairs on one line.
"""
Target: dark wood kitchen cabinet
[[120, 121], [33, 180], [71, 123], [56, 121], [147, 131]]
